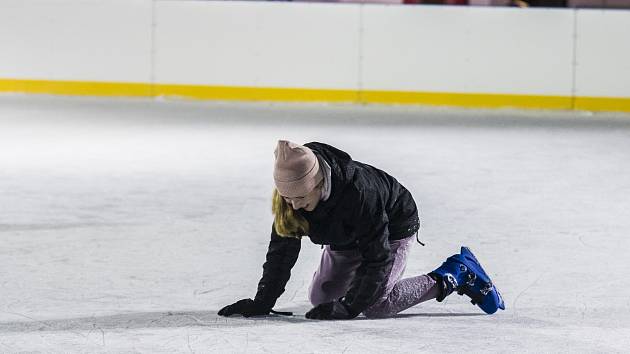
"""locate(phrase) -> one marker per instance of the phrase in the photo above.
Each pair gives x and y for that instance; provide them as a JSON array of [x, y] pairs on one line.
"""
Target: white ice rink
[[126, 224]]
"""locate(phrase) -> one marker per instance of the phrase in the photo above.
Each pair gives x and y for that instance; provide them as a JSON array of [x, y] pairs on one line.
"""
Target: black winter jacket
[[366, 208]]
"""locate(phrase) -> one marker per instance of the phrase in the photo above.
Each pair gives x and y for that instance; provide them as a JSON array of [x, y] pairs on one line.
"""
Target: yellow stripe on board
[[256, 94], [86, 88], [602, 104], [76, 88], [468, 99]]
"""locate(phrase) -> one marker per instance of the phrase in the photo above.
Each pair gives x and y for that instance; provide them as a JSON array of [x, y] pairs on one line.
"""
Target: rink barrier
[[236, 50], [118, 89]]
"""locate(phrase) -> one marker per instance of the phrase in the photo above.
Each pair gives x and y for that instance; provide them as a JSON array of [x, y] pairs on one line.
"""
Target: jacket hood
[[342, 170]]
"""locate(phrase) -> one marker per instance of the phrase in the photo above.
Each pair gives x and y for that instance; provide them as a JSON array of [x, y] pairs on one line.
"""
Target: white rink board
[[467, 49], [319, 46], [257, 44], [87, 40], [603, 53]]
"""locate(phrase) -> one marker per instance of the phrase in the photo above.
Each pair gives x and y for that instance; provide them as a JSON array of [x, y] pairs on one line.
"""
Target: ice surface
[[126, 224]]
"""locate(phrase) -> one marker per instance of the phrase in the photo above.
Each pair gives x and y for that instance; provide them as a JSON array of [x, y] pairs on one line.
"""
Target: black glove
[[335, 310], [245, 307]]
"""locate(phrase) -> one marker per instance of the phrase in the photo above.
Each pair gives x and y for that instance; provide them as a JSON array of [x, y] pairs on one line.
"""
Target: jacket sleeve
[[373, 242], [281, 256]]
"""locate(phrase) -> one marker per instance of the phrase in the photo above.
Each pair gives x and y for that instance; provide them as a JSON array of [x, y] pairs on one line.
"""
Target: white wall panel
[[603, 53], [319, 46], [468, 49], [258, 44], [89, 40]]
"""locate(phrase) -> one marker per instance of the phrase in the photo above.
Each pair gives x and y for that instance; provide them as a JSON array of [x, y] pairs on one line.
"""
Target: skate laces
[[418, 238], [281, 313]]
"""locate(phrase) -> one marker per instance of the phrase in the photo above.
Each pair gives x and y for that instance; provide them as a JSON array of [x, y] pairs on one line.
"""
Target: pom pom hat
[[296, 171]]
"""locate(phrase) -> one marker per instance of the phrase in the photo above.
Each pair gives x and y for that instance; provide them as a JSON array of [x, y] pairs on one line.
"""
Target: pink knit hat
[[296, 171]]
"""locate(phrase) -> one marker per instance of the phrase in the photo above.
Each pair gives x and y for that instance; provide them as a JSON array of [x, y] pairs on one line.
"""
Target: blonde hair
[[288, 222]]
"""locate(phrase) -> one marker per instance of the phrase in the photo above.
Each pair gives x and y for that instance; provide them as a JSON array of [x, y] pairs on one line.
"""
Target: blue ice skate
[[463, 273]]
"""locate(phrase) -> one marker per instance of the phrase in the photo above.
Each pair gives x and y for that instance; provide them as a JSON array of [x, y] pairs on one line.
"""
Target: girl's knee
[[321, 292], [316, 295], [314, 298]]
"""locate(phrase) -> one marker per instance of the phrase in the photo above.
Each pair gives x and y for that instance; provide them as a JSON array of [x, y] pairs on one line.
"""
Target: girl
[[366, 219]]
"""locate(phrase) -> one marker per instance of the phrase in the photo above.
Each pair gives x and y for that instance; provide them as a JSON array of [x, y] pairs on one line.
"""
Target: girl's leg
[[398, 294], [334, 275], [405, 294]]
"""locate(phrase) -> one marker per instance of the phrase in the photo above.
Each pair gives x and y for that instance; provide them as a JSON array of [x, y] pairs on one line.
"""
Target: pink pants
[[337, 268]]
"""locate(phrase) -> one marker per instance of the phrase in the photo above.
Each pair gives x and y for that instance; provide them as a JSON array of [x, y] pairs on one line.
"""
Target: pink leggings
[[337, 268]]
